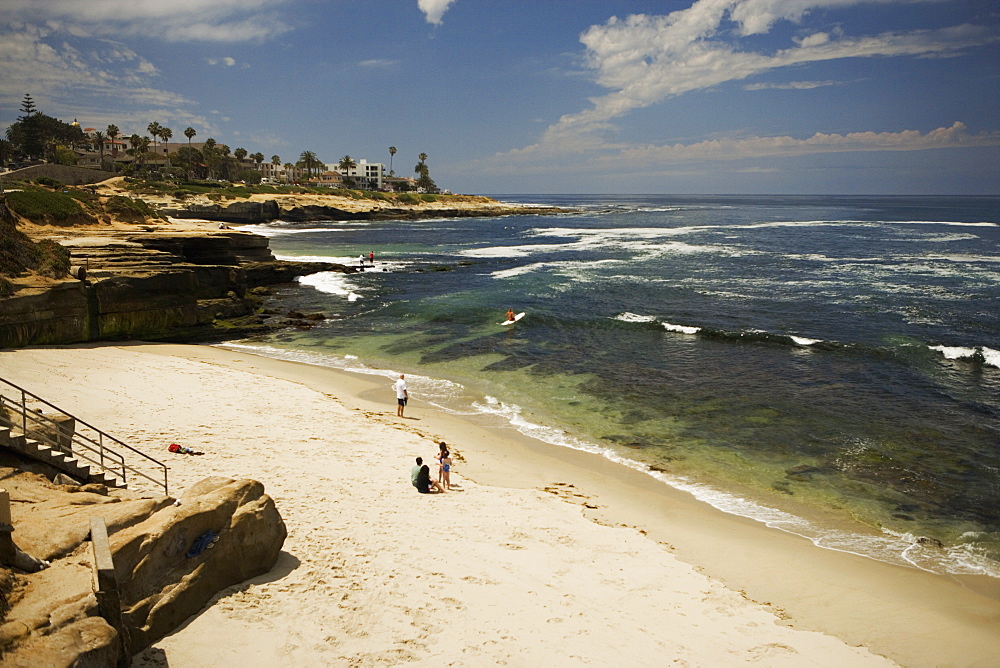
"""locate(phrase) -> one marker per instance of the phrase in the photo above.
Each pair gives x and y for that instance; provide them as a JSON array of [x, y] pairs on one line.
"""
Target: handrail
[[86, 442]]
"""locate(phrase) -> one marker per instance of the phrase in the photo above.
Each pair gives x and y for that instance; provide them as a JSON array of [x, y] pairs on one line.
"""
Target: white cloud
[[175, 21], [630, 159], [434, 9], [791, 85], [642, 60], [226, 62]]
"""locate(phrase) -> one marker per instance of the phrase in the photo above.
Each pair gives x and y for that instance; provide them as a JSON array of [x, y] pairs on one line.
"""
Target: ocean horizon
[[826, 365]]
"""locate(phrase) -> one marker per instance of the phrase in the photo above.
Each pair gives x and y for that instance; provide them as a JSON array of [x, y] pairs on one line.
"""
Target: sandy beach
[[539, 555]]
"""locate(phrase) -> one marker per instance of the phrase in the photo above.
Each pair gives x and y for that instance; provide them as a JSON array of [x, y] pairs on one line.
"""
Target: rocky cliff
[[166, 286]]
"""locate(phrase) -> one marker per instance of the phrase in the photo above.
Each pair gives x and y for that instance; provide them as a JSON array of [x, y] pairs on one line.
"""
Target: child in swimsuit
[[446, 469]]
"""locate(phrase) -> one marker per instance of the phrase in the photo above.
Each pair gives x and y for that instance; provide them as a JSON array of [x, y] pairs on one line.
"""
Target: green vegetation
[[130, 209], [18, 254], [220, 190], [42, 206]]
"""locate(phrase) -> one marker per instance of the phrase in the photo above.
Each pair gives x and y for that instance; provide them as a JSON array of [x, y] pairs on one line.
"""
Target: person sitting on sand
[[424, 483], [415, 471]]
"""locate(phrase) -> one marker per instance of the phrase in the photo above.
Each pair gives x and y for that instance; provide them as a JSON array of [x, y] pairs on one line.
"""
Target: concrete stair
[[59, 459]]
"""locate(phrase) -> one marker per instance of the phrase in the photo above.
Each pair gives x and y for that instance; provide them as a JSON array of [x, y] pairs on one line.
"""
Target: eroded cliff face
[[161, 286]]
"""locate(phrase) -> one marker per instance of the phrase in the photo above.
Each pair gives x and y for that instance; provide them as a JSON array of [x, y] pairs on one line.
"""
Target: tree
[[113, 133], [289, 172], [38, 135], [240, 154], [346, 164], [392, 152], [258, 158], [154, 131], [308, 161], [6, 151], [165, 135], [189, 133], [424, 180], [275, 160], [99, 139], [27, 106]]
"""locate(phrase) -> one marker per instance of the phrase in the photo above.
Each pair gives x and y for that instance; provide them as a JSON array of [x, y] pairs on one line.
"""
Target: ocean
[[829, 366]]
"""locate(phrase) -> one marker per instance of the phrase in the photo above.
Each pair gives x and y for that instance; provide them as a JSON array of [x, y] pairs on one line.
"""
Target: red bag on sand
[[174, 448]]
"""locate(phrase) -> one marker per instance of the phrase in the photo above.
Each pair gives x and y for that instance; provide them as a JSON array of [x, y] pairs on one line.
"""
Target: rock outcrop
[[52, 615], [149, 285], [240, 213]]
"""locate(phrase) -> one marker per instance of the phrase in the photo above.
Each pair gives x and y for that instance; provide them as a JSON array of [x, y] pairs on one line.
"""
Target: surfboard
[[516, 318]]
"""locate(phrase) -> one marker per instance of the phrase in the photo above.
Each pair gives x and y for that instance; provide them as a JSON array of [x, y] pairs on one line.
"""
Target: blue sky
[[543, 96]]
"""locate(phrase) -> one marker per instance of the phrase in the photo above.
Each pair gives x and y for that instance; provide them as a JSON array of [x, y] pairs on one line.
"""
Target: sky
[[543, 96]]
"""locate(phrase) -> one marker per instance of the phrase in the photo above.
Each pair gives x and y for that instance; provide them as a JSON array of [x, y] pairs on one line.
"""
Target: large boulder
[[167, 564], [165, 578]]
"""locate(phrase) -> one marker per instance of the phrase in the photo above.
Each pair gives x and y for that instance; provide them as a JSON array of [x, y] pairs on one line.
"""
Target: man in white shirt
[[401, 395]]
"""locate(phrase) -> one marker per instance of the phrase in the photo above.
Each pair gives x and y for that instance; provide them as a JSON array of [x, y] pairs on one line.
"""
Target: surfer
[[510, 314]]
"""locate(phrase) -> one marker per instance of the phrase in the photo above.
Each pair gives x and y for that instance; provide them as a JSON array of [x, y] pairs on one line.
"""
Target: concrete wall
[[71, 176]]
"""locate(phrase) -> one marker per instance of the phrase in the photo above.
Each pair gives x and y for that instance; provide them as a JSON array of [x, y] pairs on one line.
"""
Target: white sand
[[373, 573]]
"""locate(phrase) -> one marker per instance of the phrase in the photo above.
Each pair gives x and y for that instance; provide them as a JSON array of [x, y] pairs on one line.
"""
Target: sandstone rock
[[53, 616], [161, 586]]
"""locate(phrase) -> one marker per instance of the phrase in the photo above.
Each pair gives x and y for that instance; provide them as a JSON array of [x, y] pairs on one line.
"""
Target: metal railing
[[23, 410]]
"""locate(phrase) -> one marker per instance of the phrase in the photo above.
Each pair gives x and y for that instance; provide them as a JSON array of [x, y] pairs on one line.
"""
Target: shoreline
[[913, 617]]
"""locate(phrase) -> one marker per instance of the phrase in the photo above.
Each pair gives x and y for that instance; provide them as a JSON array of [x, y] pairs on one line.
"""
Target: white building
[[367, 175]]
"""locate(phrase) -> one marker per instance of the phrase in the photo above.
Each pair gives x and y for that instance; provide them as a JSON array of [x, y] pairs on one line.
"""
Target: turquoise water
[[829, 366]]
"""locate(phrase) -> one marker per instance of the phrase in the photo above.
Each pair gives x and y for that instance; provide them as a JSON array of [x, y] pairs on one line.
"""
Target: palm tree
[[189, 133], [309, 161], [154, 131], [392, 152], [113, 133], [288, 171], [240, 153], [99, 138], [258, 158], [346, 164], [165, 135]]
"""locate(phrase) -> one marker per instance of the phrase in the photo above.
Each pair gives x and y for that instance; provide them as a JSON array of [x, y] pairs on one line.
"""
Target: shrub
[[53, 259], [407, 198], [129, 209], [42, 206], [49, 181]]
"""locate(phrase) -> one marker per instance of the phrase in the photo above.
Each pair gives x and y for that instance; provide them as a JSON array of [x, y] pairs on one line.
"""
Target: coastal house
[[328, 179]]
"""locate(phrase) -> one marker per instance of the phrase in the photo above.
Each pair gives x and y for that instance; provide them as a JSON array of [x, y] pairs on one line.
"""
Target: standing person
[[401, 395], [441, 456], [361, 260], [371, 257], [446, 469]]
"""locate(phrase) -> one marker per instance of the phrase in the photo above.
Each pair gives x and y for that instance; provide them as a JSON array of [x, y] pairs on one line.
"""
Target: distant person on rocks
[[424, 483], [361, 260], [371, 257], [401, 395]]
